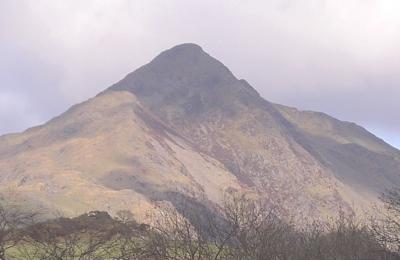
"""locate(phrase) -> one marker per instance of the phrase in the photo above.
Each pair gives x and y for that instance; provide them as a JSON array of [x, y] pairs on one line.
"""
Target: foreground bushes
[[240, 229]]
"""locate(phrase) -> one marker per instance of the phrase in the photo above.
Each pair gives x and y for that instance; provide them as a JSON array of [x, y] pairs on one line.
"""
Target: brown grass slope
[[108, 153]]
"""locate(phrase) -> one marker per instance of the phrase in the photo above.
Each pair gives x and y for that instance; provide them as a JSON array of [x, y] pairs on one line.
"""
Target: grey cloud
[[336, 56]]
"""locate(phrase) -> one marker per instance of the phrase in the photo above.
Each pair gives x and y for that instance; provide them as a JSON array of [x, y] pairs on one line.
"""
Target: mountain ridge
[[275, 111], [183, 124]]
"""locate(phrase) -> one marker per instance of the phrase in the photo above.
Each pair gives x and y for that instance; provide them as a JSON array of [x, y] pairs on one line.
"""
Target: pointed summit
[[184, 49], [184, 66], [187, 77]]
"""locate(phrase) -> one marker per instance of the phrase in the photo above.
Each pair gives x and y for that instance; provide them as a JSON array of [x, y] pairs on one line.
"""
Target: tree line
[[244, 228]]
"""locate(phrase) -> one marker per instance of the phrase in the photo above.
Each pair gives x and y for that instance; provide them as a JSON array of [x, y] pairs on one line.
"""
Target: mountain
[[183, 124]]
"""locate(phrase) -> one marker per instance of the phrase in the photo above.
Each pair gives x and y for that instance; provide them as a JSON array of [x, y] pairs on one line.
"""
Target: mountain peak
[[182, 74], [183, 125], [183, 52], [185, 48], [185, 62]]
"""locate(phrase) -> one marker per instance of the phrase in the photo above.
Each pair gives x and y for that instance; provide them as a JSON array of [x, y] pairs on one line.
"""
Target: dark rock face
[[185, 66], [197, 91], [268, 147], [187, 78]]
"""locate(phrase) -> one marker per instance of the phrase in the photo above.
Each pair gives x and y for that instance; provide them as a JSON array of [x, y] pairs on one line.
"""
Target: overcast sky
[[341, 57]]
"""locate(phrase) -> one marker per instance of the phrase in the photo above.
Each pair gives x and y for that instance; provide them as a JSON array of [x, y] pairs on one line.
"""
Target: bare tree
[[341, 238], [64, 238], [125, 217], [12, 220], [242, 229], [387, 228], [176, 237], [253, 229], [191, 228], [256, 229], [131, 240]]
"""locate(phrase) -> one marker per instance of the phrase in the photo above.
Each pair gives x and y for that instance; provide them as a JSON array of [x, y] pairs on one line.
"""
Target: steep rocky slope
[[184, 124], [108, 153]]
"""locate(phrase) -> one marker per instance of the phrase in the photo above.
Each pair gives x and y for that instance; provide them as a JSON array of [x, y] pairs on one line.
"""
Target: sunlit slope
[[109, 154]]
